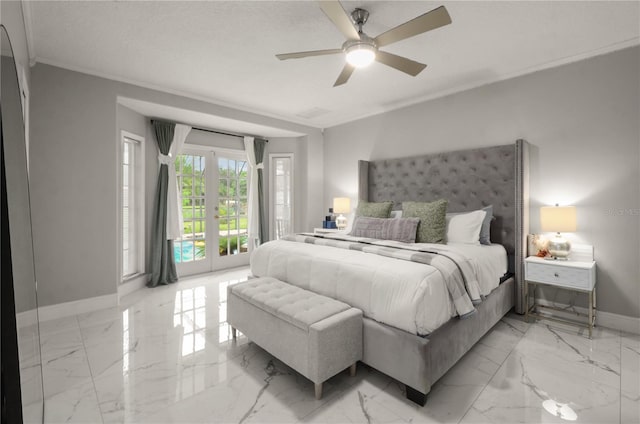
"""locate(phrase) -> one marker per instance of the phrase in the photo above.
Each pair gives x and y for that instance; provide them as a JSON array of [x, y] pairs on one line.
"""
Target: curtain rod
[[213, 131], [224, 133]]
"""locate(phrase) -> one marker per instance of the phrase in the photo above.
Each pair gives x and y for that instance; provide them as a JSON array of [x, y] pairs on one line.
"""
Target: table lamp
[[341, 205], [558, 219]]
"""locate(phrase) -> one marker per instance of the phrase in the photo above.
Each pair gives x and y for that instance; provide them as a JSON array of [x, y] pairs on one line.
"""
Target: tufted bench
[[313, 334]]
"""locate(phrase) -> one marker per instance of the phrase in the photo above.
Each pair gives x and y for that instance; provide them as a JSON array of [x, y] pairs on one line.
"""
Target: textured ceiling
[[224, 51]]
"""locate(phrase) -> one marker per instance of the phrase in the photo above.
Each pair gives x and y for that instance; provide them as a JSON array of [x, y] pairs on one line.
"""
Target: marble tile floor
[[165, 355]]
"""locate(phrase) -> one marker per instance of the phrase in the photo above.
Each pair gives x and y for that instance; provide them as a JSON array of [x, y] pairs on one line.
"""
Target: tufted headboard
[[469, 179]]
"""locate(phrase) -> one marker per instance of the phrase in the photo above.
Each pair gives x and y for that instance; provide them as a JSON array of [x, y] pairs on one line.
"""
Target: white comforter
[[403, 294]]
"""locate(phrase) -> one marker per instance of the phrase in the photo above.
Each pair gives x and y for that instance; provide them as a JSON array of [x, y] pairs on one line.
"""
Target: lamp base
[[341, 222], [559, 248]]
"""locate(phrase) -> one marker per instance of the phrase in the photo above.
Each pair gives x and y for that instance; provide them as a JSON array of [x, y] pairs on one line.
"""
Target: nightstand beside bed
[[575, 276]]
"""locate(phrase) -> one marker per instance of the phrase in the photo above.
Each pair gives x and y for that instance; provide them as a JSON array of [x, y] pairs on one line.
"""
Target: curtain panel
[[175, 223], [162, 263], [254, 219], [254, 147], [259, 146]]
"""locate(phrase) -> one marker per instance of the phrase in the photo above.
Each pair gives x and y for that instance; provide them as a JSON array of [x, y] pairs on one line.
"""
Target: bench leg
[[233, 333], [318, 387], [352, 369], [415, 396]]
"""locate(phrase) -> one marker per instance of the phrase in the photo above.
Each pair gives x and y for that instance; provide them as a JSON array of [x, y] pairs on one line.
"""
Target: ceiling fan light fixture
[[361, 55]]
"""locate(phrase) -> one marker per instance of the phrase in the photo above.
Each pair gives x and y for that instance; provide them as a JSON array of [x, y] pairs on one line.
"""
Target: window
[[132, 205], [281, 193]]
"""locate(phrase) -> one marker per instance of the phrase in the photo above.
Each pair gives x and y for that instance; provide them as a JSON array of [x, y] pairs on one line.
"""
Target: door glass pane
[[243, 187], [189, 170], [232, 193]]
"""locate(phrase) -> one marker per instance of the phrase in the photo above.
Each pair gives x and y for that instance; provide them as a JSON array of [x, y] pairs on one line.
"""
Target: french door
[[214, 187]]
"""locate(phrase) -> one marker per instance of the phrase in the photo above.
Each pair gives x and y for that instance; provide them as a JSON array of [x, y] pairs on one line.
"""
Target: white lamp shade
[[341, 205], [560, 219]]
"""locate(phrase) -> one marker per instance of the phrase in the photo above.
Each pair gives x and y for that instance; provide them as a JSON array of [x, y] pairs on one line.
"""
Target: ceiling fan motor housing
[[364, 40], [360, 52], [360, 17]]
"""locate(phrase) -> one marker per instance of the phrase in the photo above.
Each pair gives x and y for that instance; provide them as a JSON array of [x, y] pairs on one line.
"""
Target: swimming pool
[[187, 251]]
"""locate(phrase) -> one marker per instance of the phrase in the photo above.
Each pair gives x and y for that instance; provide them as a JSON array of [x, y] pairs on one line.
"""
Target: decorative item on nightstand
[[341, 205], [558, 219]]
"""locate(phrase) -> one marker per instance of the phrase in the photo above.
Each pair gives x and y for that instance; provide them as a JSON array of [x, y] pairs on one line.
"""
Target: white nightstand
[[326, 230], [569, 275]]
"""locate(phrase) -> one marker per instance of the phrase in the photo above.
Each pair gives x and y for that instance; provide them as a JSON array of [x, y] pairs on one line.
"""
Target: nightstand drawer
[[559, 275]]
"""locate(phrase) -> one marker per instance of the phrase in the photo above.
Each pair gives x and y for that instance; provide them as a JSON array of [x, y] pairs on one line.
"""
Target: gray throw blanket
[[458, 271]]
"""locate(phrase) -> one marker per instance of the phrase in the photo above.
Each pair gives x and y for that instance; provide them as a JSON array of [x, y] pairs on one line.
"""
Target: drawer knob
[[555, 274]]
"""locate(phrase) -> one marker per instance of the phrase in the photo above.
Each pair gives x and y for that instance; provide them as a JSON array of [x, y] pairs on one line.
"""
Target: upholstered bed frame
[[469, 179]]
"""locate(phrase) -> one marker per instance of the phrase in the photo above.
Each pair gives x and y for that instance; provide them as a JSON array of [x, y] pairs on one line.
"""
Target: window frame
[[140, 204], [272, 199]]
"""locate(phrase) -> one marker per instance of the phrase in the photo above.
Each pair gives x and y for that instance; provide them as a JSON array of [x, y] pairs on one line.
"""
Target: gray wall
[[131, 121], [74, 134], [582, 121]]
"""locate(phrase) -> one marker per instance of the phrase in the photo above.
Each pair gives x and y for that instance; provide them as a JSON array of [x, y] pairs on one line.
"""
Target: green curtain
[[162, 263], [258, 147]]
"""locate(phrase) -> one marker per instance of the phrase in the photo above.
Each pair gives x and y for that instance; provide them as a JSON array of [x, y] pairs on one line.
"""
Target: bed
[[415, 349]]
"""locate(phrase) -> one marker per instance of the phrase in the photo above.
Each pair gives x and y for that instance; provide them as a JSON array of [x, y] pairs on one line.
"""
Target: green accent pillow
[[374, 210], [433, 223]]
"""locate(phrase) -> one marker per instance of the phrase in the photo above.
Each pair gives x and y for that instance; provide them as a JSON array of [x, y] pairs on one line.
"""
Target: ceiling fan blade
[[400, 63], [335, 12], [299, 55], [431, 20], [344, 75]]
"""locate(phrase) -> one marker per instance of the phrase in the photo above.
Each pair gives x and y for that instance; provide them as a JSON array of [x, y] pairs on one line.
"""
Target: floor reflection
[[560, 410], [190, 313]]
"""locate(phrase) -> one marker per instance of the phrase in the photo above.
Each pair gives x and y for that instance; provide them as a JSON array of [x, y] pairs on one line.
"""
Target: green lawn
[[224, 224]]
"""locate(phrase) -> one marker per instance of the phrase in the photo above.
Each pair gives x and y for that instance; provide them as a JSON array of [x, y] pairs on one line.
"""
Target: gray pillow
[[433, 223], [485, 230], [398, 229], [374, 210]]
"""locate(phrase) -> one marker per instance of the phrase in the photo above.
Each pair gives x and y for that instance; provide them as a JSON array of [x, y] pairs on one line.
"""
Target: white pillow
[[465, 227], [396, 214]]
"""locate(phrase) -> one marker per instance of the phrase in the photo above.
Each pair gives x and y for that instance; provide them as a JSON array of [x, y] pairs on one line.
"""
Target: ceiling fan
[[361, 50]]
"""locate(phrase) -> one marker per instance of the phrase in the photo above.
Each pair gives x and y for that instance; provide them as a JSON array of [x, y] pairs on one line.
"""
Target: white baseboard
[[67, 309], [131, 285], [604, 319], [26, 318]]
